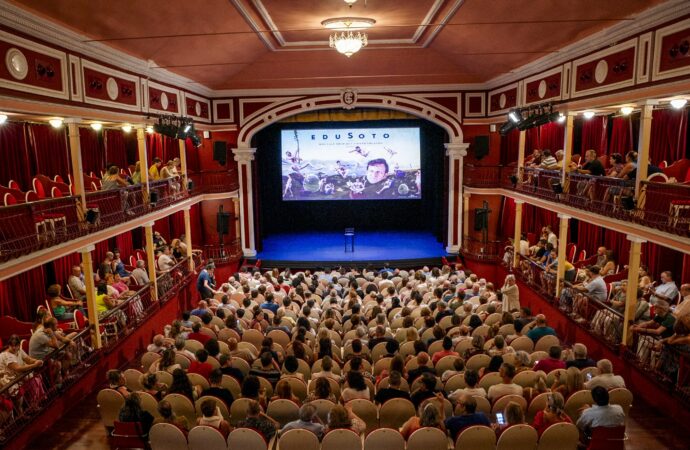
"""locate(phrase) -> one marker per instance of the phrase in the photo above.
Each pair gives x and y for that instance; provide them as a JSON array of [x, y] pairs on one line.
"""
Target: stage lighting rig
[[176, 127]]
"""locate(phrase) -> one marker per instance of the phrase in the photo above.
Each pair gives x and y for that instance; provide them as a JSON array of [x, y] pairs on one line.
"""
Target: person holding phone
[[553, 413], [467, 407], [512, 415]]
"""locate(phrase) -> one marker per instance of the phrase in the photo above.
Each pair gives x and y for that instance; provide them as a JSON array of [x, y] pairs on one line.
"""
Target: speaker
[[480, 219], [628, 202], [223, 223], [220, 152], [91, 216], [557, 187], [190, 185], [153, 197], [481, 146]]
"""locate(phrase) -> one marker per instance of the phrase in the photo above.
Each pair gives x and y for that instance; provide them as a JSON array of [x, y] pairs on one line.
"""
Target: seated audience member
[[552, 413], [227, 368], [326, 370], [167, 415], [132, 412], [447, 350], [581, 360], [393, 390], [540, 329], [467, 417], [216, 389], [180, 348], [258, 421], [201, 309], [308, 420], [471, 378], [165, 363], [553, 362], [139, 274], [567, 385], [211, 417], [116, 381], [548, 161], [342, 417], [506, 387], [76, 283], [197, 335], [62, 309], [268, 370], [594, 287], [592, 165], [322, 391], [356, 387], [422, 368], [290, 366], [181, 385], [606, 378], [514, 415], [661, 326], [430, 413], [283, 391], [425, 391], [251, 389], [601, 414], [200, 366], [666, 291], [159, 345], [458, 367], [165, 261], [149, 381]]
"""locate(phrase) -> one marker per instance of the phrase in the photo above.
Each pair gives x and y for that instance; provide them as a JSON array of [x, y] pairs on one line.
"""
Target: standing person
[[205, 283], [511, 294]]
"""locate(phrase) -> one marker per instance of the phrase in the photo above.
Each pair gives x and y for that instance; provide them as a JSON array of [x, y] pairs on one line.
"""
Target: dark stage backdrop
[[277, 216]]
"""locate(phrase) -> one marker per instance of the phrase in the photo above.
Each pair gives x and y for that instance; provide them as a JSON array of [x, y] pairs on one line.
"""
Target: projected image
[[351, 164]]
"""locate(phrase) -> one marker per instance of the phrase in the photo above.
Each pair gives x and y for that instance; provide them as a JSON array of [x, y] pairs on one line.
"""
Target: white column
[[244, 157], [456, 151], [567, 146], [643, 144]]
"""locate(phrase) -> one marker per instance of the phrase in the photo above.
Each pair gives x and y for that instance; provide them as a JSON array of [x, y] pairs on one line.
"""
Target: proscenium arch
[[413, 106]]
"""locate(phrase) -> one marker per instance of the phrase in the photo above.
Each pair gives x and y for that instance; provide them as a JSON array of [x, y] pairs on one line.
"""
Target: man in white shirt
[[667, 290], [507, 387], [683, 309], [523, 249], [139, 274], [601, 414], [165, 261], [76, 284], [551, 237], [606, 378]]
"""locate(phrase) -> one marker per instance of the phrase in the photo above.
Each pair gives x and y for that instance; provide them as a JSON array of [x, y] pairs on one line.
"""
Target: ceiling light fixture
[[678, 103], [3, 118], [97, 126], [561, 118], [514, 116], [627, 110], [348, 23], [127, 128], [347, 40], [149, 129], [588, 114], [350, 2], [55, 123]]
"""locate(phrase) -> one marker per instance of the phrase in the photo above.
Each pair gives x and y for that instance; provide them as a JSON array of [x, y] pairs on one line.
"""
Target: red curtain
[[589, 237], [14, 154], [669, 135], [619, 244], [594, 135], [534, 218], [621, 136], [163, 147], [123, 242], [48, 150], [22, 294], [101, 248], [63, 267], [552, 136], [115, 148], [177, 224], [93, 158], [507, 219], [192, 156], [163, 227], [197, 226], [510, 144]]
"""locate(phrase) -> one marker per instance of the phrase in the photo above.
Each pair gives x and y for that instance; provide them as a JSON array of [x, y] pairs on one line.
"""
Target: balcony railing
[[224, 254], [168, 281], [479, 250], [28, 227]]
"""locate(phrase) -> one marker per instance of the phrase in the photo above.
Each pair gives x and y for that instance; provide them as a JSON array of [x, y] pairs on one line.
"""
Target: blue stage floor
[[369, 246]]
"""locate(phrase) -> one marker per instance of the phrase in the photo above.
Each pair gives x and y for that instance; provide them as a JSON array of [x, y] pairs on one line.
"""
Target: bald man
[[683, 309]]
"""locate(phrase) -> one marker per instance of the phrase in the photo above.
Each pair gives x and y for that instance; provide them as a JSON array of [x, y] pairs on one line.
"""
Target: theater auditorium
[[344, 224]]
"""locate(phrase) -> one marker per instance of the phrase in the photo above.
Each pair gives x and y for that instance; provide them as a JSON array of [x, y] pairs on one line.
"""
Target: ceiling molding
[[452, 88], [26, 22], [617, 33]]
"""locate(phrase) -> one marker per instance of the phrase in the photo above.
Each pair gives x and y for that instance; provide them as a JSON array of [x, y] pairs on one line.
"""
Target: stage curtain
[[621, 136], [163, 147], [63, 267], [93, 157], [14, 154], [98, 255], [115, 149], [123, 242], [594, 135], [22, 294], [339, 115], [589, 237], [510, 144], [531, 140], [552, 136], [619, 244], [507, 219], [177, 225], [163, 227], [669, 135], [48, 150]]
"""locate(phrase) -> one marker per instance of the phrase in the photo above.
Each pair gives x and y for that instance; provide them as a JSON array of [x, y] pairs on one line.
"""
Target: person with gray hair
[[308, 420], [140, 275], [606, 378], [581, 361]]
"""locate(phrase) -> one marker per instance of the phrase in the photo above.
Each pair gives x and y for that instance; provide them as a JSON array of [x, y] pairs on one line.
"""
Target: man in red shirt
[[197, 335], [200, 366], [447, 350], [553, 362]]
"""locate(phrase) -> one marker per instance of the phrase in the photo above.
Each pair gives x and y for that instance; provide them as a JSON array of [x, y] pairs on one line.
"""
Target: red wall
[[209, 209], [494, 157], [206, 161], [476, 201]]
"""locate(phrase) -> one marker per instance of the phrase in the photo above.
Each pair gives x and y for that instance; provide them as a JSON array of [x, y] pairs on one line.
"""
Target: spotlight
[[561, 118], [97, 126], [515, 116], [3, 118], [627, 110], [506, 128], [127, 128], [678, 103], [55, 123], [187, 128], [588, 114], [149, 129]]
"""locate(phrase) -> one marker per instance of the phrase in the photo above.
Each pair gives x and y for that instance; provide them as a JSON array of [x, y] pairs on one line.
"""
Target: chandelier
[[346, 39]]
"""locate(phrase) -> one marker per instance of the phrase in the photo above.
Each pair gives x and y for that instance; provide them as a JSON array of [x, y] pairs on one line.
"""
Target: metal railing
[[169, 282], [482, 251], [215, 181], [231, 251]]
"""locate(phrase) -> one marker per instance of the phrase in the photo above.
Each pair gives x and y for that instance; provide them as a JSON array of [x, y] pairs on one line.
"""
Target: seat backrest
[[395, 412], [576, 401], [147, 359], [367, 411], [38, 188], [109, 404], [607, 438], [559, 436], [198, 380], [545, 343], [165, 436], [518, 437], [283, 411], [242, 438], [622, 397], [341, 440], [133, 379], [238, 410], [202, 437], [477, 437], [501, 403], [182, 406], [298, 440], [149, 403], [232, 385], [537, 404], [13, 185], [219, 403], [476, 362], [323, 407], [9, 199], [383, 438], [483, 404], [490, 379], [427, 438], [55, 192]]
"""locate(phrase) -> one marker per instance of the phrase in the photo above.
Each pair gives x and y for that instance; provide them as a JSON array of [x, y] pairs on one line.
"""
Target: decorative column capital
[[244, 154], [88, 249], [636, 239], [564, 217], [519, 202], [149, 224], [466, 195], [456, 149]]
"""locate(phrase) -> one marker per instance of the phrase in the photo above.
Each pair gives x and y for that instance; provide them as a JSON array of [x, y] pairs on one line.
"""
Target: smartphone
[[499, 419], [589, 376]]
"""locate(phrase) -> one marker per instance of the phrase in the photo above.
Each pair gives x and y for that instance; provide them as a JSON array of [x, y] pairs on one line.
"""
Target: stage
[[319, 248]]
